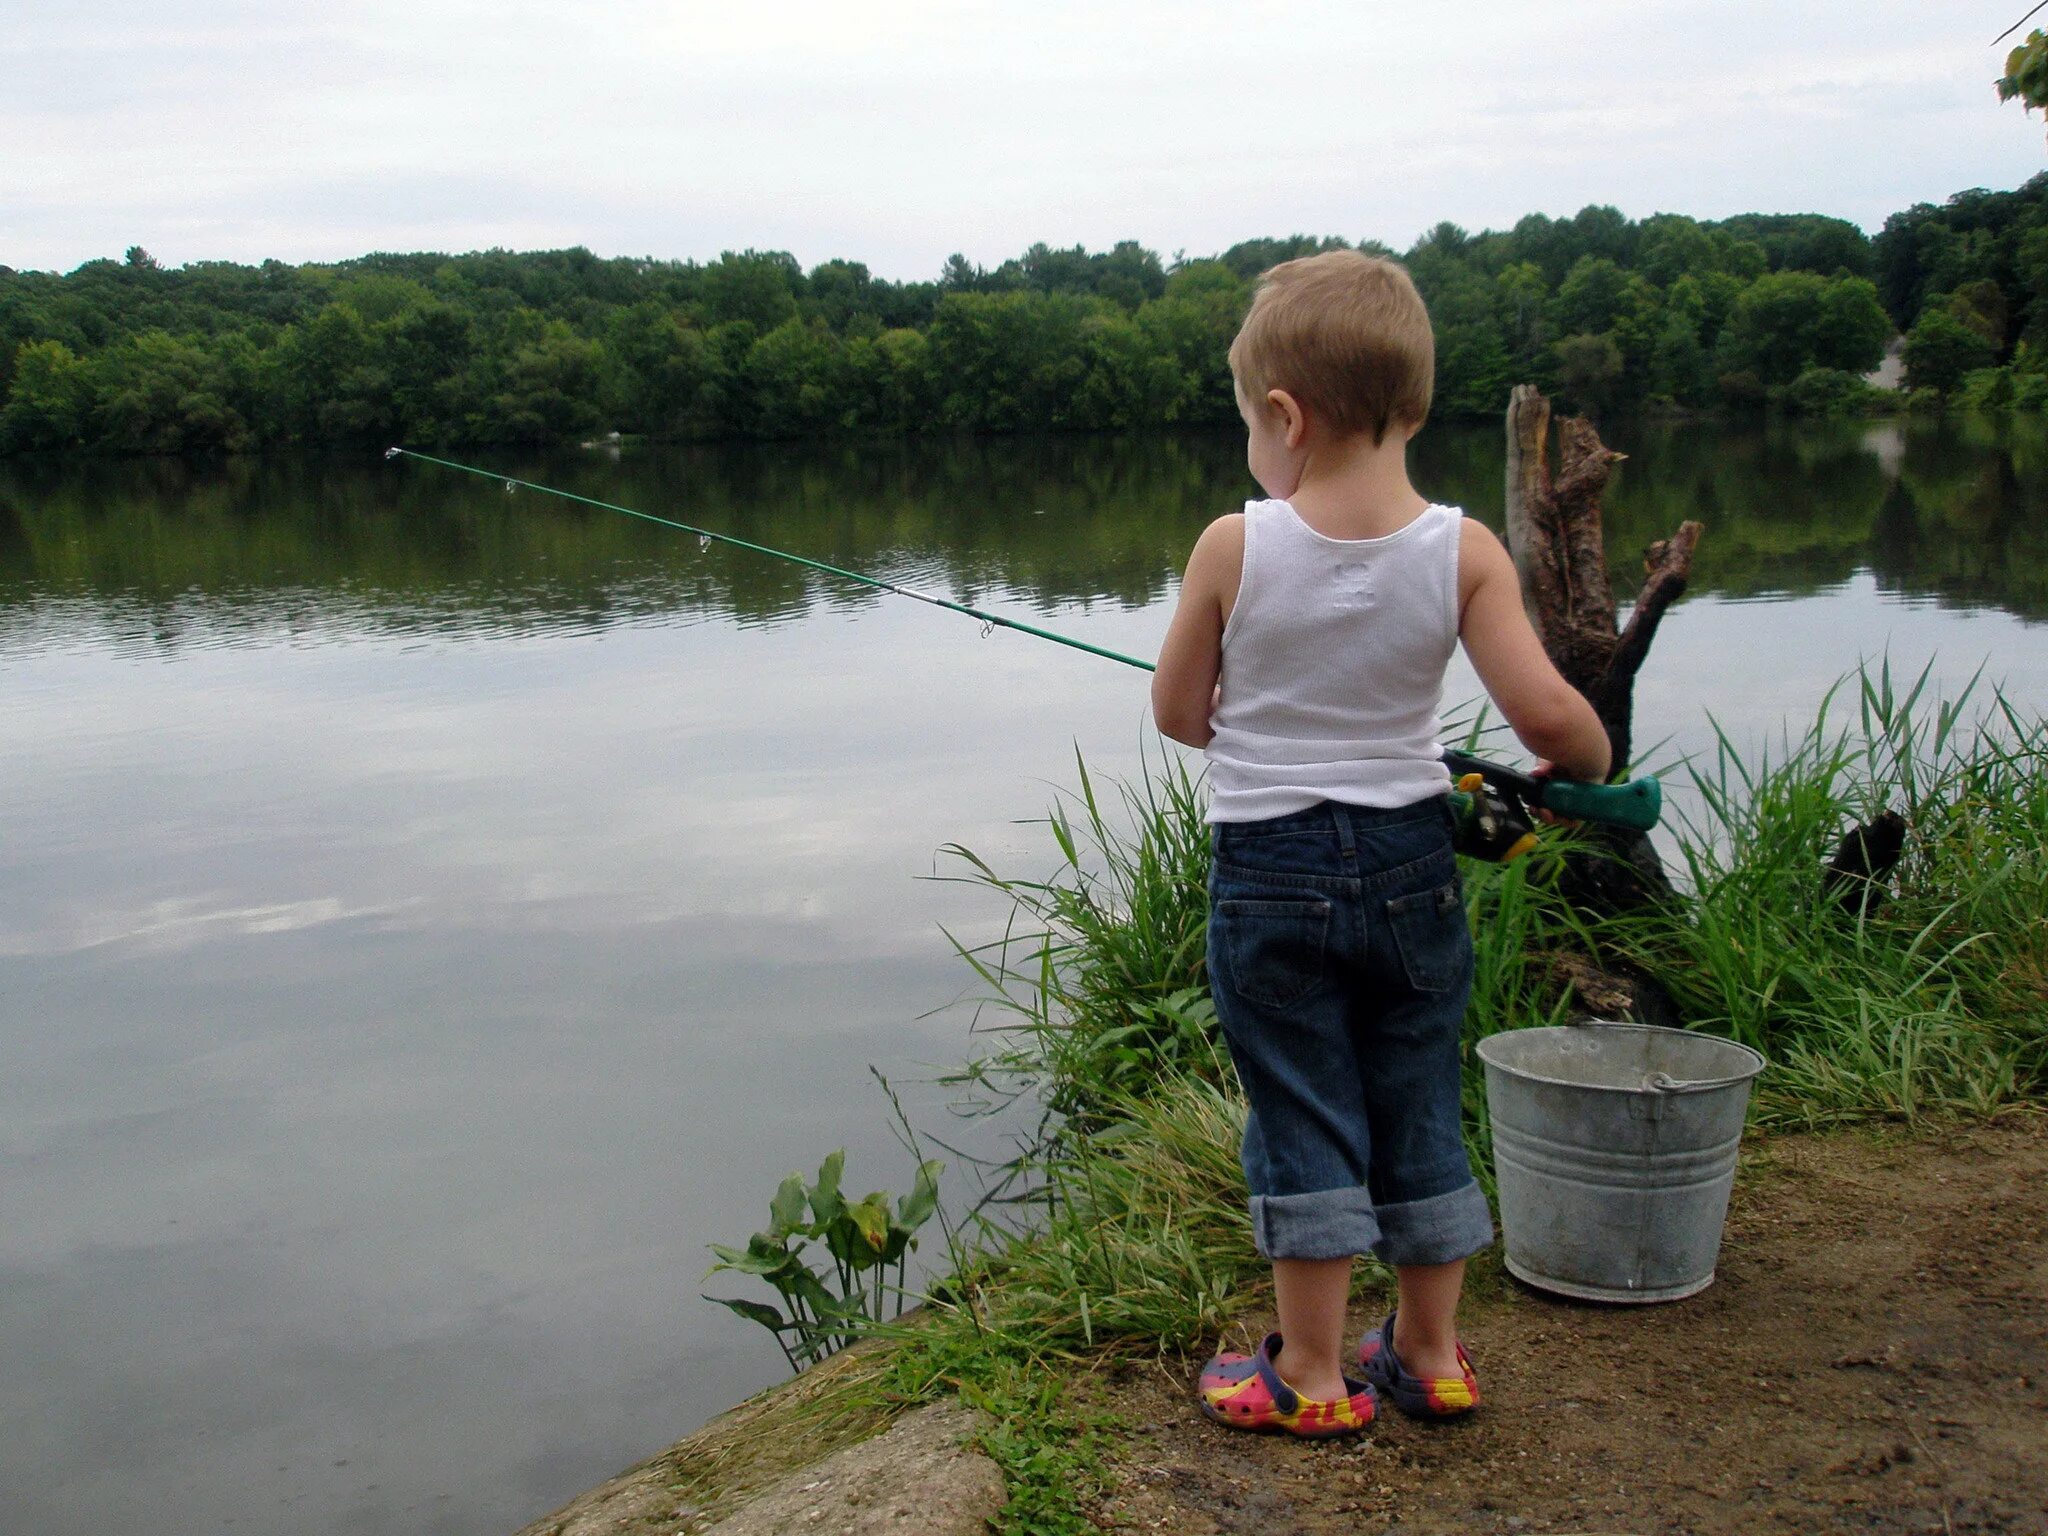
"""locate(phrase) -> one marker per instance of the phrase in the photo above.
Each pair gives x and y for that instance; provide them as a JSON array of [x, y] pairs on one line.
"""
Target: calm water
[[427, 915]]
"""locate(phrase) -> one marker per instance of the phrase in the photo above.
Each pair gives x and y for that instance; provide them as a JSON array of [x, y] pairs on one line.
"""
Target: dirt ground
[[1873, 1358]]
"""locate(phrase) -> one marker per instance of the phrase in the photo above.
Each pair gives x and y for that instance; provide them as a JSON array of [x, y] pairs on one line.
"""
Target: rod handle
[[1635, 805]]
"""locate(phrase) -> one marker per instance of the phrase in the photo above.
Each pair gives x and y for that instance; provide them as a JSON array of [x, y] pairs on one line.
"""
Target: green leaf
[[748, 1263], [821, 1301], [754, 1312], [826, 1201], [786, 1210], [871, 1219], [842, 1240], [916, 1208]]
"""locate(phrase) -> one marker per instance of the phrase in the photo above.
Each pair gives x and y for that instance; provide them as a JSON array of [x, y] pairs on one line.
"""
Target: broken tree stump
[[1560, 552], [1559, 547]]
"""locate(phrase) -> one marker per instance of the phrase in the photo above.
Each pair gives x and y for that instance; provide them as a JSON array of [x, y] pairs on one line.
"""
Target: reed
[[1097, 988], [1933, 1003]]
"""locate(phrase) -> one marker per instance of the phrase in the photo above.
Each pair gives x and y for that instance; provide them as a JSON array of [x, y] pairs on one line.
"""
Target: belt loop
[[1347, 838]]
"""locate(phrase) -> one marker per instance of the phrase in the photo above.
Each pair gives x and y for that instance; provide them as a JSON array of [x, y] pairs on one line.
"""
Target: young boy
[[1307, 656]]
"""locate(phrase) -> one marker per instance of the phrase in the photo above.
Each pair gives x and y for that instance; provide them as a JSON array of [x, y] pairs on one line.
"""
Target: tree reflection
[[1954, 511]]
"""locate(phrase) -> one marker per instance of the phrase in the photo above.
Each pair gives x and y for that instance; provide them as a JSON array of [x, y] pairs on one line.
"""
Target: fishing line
[[996, 620], [1511, 793]]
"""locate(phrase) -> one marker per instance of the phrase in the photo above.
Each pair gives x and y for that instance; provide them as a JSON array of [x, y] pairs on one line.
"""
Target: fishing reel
[[1489, 824], [1496, 807]]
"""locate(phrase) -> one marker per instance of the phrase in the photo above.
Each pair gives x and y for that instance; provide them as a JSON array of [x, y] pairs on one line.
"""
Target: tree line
[[1605, 312]]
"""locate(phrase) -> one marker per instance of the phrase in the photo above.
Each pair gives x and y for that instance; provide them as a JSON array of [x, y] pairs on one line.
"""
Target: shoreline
[[1779, 1370]]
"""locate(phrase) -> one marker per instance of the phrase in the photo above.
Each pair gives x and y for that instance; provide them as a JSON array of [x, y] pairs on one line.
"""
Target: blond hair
[[1347, 335]]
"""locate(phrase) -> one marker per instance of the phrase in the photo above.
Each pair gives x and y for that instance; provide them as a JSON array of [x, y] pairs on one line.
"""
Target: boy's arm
[[1549, 716], [1191, 656]]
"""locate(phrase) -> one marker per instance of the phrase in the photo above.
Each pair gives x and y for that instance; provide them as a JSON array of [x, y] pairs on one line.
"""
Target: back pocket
[[1270, 952], [1430, 932]]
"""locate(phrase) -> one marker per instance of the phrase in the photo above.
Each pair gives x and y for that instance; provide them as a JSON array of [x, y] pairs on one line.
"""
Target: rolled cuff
[[1436, 1230], [1323, 1224]]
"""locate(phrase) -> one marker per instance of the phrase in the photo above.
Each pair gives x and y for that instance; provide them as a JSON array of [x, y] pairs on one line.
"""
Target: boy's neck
[[1351, 486]]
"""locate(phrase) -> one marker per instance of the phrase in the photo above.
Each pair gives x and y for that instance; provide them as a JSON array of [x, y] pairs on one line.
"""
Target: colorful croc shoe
[[1436, 1397], [1246, 1392]]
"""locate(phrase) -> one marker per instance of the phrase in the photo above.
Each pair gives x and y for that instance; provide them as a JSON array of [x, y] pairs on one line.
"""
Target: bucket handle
[[1664, 1082]]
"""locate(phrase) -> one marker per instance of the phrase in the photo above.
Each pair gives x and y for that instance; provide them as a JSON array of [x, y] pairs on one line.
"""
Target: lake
[[429, 914]]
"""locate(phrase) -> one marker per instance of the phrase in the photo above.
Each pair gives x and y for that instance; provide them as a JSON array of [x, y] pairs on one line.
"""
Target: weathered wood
[[1559, 545], [1667, 567], [1528, 483], [1558, 541]]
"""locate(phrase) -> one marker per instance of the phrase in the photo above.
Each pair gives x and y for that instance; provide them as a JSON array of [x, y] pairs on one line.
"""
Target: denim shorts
[[1341, 964]]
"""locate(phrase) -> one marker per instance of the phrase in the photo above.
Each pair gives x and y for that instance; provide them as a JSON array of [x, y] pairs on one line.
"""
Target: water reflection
[[162, 553]]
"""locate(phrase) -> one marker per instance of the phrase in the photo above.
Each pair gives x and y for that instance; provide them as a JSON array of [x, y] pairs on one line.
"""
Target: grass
[[1934, 1003], [1097, 986], [1121, 1228]]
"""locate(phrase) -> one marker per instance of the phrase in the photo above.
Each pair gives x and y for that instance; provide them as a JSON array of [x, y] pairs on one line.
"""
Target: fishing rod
[[1496, 805], [916, 593]]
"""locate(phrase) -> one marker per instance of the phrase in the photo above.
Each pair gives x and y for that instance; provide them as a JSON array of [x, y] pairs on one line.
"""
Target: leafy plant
[[863, 1238], [2026, 72]]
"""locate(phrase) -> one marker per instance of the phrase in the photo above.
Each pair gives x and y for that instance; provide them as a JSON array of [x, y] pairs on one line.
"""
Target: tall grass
[[1097, 989], [1933, 1003]]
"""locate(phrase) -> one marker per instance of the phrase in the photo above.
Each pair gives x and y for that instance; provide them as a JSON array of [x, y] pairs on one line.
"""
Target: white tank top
[[1333, 666]]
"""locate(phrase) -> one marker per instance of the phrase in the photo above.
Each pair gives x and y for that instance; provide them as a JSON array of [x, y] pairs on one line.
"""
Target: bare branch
[[2008, 32]]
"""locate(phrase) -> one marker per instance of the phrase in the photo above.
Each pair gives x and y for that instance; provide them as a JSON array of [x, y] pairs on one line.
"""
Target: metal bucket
[[1614, 1151]]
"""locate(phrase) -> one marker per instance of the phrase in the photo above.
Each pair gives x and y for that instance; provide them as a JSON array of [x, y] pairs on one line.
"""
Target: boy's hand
[[1547, 770]]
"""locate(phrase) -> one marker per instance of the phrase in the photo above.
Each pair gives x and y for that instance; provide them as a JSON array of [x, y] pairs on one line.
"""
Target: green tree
[[1009, 361], [1521, 298], [158, 393], [1125, 381], [1981, 305], [547, 390], [757, 287], [838, 292], [1852, 329], [1673, 247], [2026, 73], [1193, 325], [1940, 349], [50, 403], [1786, 322], [889, 380], [1679, 369], [331, 382], [792, 379], [1595, 295], [427, 352], [1589, 369]]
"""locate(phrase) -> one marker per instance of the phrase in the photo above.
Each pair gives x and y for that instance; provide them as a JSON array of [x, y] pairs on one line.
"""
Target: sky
[[897, 133]]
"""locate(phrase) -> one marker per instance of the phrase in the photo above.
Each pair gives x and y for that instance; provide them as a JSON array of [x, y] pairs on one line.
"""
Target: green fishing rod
[[1496, 803], [916, 593]]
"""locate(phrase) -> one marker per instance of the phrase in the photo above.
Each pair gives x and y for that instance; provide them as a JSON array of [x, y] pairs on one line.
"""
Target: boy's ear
[[1293, 419]]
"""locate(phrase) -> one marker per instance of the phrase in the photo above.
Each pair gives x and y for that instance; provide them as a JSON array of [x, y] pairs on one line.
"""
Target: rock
[[636, 1501], [917, 1479]]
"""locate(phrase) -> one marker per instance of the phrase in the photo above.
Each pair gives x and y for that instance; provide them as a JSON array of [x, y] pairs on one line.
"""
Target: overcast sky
[[896, 133]]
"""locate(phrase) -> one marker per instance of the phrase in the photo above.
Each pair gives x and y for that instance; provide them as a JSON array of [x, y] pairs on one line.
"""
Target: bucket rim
[[1656, 1083]]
